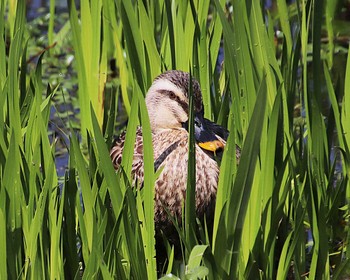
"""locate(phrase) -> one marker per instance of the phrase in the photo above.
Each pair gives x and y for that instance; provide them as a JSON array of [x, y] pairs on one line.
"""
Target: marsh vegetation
[[278, 79]]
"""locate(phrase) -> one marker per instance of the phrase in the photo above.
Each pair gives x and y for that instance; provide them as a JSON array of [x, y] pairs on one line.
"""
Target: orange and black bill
[[209, 135]]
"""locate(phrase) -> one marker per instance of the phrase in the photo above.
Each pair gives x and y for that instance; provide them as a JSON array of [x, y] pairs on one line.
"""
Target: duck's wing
[[116, 155]]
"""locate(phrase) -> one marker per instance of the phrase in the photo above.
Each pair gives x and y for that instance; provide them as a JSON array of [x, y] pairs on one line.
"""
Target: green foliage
[[283, 212]]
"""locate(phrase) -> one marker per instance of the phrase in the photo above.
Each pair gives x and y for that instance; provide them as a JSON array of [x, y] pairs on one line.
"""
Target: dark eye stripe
[[173, 96]]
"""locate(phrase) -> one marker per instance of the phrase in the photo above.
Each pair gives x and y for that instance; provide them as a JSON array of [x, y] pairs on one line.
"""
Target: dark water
[[36, 8]]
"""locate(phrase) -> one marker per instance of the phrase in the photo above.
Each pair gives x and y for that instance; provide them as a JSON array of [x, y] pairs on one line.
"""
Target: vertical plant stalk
[[147, 229], [90, 55], [50, 31], [190, 201]]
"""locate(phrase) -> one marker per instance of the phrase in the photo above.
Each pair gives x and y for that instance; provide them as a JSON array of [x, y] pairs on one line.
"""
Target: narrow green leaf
[[116, 190], [128, 150], [196, 256], [85, 188], [3, 261], [190, 214], [149, 191], [245, 174]]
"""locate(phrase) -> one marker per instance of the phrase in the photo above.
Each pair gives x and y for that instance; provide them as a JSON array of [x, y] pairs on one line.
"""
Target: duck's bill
[[212, 146], [209, 135]]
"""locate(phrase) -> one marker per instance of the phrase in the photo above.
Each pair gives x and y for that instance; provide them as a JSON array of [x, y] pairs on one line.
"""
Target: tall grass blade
[[237, 206], [3, 260], [148, 189], [115, 189], [190, 200]]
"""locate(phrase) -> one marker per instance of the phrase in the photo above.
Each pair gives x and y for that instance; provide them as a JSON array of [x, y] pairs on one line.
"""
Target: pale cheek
[[165, 118], [182, 115]]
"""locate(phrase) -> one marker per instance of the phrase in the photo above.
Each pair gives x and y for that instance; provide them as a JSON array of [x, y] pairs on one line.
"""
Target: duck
[[167, 102]]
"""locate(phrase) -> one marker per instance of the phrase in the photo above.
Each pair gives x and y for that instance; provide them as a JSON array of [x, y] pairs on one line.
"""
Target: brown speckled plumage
[[167, 103], [171, 184]]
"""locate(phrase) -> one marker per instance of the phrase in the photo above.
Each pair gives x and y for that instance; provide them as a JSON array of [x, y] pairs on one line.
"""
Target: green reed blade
[[171, 33], [51, 26], [345, 118], [3, 244], [85, 188], [285, 24], [288, 249], [13, 204], [152, 54], [133, 41], [190, 200], [196, 256], [128, 150], [105, 165], [149, 191], [244, 180]]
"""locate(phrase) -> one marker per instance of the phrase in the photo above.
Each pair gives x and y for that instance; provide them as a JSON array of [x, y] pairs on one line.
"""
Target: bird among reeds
[[167, 103]]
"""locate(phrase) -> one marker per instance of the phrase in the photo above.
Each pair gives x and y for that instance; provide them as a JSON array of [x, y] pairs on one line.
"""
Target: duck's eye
[[172, 95]]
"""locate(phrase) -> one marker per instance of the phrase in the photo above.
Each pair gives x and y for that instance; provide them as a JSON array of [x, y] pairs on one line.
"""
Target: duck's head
[[168, 107]]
